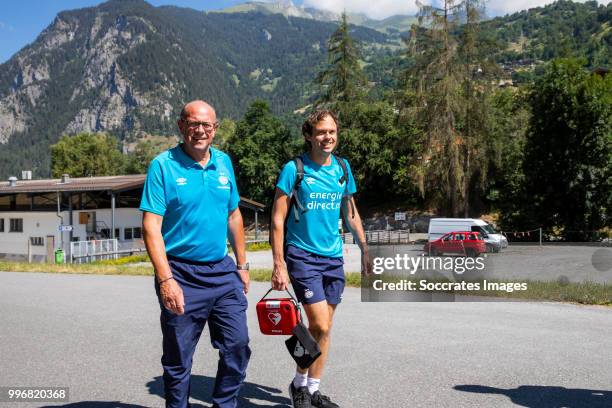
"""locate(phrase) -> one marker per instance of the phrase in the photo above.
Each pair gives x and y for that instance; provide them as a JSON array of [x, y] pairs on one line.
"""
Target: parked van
[[440, 226]]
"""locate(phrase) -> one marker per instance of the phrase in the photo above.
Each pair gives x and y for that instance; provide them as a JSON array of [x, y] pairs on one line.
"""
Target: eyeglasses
[[208, 127]]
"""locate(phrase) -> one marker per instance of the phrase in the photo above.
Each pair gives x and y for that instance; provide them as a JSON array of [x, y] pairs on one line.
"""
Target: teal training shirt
[[194, 201], [321, 195]]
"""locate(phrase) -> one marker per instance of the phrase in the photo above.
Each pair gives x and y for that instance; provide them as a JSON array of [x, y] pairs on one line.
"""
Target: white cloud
[[372, 8], [4, 26], [384, 8]]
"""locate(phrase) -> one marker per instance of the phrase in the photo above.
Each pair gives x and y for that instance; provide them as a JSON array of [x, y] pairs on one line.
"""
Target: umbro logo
[[181, 181], [309, 180]]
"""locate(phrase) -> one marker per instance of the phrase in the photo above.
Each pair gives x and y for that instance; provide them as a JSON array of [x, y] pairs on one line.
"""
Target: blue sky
[[22, 20]]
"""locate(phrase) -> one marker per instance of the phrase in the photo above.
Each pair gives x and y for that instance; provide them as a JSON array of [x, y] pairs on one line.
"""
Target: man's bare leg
[[320, 319]]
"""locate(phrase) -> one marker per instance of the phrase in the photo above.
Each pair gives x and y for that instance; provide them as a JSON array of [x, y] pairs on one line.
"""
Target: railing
[[251, 238], [100, 249], [381, 237], [87, 251]]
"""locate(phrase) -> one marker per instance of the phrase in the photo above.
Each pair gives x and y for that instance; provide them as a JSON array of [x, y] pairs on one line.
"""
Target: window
[[16, 225], [37, 241], [105, 232], [1, 224], [132, 233]]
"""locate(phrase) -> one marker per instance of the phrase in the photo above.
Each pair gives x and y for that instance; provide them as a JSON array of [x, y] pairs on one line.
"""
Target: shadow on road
[[201, 389], [96, 404], [250, 393], [538, 396]]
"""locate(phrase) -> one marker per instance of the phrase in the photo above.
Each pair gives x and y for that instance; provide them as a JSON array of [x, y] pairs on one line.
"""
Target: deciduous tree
[[87, 154]]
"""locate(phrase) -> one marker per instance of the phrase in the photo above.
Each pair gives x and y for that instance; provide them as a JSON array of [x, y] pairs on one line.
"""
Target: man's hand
[[172, 296], [366, 263], [280, 277], [245, 278]]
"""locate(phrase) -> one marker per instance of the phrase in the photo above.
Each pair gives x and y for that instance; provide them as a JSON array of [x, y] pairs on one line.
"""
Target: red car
[[460, 242]]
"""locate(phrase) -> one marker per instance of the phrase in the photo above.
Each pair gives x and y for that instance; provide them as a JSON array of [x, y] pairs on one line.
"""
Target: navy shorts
[[314, 277]]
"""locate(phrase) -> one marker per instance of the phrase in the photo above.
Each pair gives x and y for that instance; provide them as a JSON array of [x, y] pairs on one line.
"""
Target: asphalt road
[[100, 336]]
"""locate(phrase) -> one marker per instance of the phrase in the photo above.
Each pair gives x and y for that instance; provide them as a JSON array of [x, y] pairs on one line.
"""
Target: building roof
[[115, 184], [80, 184]]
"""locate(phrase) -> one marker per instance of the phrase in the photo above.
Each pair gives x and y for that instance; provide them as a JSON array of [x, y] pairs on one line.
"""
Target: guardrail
[[381, 237], [100, 249], [251, 238], [86, 251], [107, 255]]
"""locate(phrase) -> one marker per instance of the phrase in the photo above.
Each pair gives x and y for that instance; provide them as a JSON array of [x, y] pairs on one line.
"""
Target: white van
[[440, 226]]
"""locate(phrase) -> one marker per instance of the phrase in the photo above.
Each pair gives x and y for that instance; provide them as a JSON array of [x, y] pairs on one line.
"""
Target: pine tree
[[436, 80], [478, 74], [343, 81], [446, 97]]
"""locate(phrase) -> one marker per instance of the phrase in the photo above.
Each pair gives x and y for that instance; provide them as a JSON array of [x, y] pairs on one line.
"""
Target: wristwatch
[[244, 267]]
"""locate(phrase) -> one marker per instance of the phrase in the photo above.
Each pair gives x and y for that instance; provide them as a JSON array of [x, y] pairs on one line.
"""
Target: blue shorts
[[314, 277]]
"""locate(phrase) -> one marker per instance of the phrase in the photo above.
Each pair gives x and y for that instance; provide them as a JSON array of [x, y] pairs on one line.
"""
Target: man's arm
[[170, 291], [280, 277], [236, 237], [353, 221]]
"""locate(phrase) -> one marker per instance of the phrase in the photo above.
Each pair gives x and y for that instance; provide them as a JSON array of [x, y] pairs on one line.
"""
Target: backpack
[[294, 202]]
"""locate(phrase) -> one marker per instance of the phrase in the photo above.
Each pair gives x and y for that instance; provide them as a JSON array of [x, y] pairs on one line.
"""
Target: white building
[[32, 213]]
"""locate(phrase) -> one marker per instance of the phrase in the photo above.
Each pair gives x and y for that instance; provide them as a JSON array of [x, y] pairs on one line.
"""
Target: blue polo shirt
[[194, 202], [321, 195]]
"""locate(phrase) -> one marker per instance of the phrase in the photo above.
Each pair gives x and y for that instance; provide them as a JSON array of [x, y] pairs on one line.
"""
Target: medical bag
[[278, 316]]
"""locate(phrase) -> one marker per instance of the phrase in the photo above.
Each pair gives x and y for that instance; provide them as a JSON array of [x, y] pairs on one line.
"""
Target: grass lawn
[[583, 293]]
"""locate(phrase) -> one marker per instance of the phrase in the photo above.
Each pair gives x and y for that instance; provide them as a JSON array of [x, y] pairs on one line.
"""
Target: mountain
[[126, 67], [286, 8], [559, 29], [396, 23]]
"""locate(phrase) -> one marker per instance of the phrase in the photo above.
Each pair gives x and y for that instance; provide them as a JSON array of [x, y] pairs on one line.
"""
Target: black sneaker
[[319, 400], [300, 397]]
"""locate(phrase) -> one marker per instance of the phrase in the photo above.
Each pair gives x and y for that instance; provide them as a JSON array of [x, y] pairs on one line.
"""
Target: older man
[[190, 203]]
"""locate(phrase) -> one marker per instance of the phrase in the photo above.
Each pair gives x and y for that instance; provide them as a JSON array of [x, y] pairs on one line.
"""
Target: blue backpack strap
[[298, 207], [344, 179], [342, 164]]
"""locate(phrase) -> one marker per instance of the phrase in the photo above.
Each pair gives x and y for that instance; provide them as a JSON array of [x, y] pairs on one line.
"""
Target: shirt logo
[[309, 180], [223, 180], [181, 181]]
